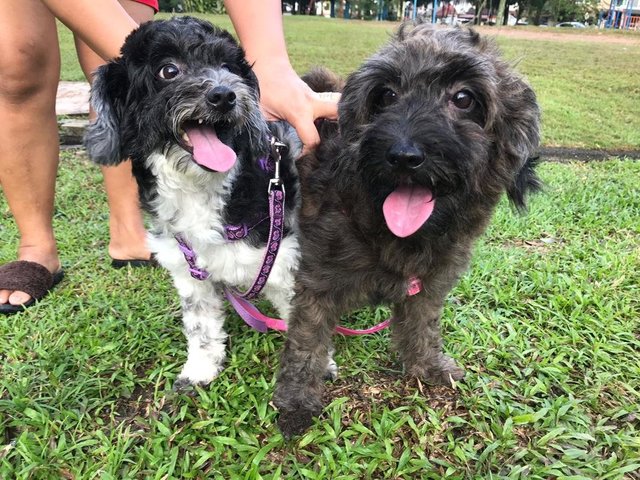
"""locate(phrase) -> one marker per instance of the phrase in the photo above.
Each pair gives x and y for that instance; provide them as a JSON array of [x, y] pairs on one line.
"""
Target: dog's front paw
[[295, 422], [187, 386], [198, 376], [295, 409], [331, 373], [184, 385], [444, 371]]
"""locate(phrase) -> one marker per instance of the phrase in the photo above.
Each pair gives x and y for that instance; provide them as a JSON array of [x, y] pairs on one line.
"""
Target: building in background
[[622, 14]]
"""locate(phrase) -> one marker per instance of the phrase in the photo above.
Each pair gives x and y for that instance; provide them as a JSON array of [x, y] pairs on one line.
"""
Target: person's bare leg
[[126, 227], [29, 72]]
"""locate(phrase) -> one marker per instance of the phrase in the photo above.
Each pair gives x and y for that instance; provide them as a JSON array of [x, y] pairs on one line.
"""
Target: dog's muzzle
[[201, 136]]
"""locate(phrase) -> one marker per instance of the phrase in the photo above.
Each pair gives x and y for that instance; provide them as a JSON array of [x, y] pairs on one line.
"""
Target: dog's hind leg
[[417, 337], [303, 365], [203, 319]]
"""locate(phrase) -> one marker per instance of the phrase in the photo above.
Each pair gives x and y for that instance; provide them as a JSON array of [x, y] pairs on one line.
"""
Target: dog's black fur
[[404, 119], [138, 113]]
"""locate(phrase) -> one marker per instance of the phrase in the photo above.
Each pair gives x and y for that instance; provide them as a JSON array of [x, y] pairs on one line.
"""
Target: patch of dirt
[[541, 245], [391, 391], [565, 154], [561, 35]]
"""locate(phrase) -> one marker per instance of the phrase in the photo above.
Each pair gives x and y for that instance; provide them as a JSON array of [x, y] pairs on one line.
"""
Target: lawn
[[588, 90], [546, 323]]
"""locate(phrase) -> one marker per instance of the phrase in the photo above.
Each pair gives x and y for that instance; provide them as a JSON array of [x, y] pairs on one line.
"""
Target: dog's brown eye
[[169, 71], [230, 68], [387, 97], [462, 100]]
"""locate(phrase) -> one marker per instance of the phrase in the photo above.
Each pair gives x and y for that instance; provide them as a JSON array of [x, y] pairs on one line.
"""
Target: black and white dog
[[182, 102]]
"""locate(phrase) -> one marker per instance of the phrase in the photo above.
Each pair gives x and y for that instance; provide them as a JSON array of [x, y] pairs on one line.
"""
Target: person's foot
[[48, 259], [128, 243]]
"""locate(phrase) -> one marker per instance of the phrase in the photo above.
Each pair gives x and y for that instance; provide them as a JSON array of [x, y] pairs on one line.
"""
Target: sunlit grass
[[546, 324], [588, 91]]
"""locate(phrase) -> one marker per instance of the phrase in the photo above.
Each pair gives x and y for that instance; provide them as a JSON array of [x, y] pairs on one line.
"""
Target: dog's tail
[[526, 182], [321, 79]]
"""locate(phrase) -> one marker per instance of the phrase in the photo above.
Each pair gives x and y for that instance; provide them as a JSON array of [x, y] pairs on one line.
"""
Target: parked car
[[571, 25]]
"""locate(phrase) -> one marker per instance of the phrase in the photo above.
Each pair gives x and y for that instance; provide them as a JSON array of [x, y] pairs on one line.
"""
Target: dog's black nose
[[405, 155], [222, 98]]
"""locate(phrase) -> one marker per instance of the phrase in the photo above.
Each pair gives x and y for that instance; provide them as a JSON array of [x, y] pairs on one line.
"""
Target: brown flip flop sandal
[[28, 277], [135, 263]]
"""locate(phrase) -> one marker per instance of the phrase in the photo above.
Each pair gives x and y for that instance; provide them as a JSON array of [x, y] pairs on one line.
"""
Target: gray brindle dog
[[433, 129]]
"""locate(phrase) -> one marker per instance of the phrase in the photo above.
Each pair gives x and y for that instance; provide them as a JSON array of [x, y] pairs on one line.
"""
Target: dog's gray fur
[[471, 156]]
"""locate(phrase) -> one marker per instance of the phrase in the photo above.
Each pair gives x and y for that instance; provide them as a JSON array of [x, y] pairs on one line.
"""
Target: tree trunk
[[500, 14], [479, 7]]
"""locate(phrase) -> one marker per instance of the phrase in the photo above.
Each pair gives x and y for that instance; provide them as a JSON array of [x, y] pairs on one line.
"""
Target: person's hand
[[285, 96]]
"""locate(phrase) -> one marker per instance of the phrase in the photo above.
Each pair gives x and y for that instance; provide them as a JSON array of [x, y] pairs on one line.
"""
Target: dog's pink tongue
[[209, 151], [407, 208]]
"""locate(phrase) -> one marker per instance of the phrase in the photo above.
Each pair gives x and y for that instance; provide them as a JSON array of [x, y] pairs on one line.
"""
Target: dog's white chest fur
[[190, 203], [188, 206]]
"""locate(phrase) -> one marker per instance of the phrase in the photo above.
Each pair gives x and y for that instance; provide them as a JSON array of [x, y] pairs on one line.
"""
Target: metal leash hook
[[275, 153]]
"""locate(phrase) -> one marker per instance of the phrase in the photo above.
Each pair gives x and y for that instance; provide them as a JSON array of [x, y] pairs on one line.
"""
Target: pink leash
[[261, 322]]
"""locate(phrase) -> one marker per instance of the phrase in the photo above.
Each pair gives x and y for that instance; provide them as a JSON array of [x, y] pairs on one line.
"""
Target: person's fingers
[[307, 132], [325, 105]]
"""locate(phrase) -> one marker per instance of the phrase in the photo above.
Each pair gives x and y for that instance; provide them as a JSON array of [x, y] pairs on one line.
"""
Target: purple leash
[[232, 232], [276, 213]]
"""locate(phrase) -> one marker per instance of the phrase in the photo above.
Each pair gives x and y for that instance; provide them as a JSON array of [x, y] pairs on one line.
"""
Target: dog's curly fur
[[436, 108], [170, 78]]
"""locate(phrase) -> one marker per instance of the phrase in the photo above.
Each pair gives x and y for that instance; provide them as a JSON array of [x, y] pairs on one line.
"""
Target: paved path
[[72, 98], [563, 34]]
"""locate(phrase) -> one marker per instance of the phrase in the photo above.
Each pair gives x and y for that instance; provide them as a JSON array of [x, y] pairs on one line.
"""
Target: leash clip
[[275, 153]]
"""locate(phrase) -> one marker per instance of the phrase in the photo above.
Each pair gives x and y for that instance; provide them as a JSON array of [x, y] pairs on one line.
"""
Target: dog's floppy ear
[[526, 181], [108, 95], [518, 132]]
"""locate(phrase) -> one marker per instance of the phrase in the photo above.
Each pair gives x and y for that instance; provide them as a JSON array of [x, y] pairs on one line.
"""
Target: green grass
[[588, 91], [545, 323]]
